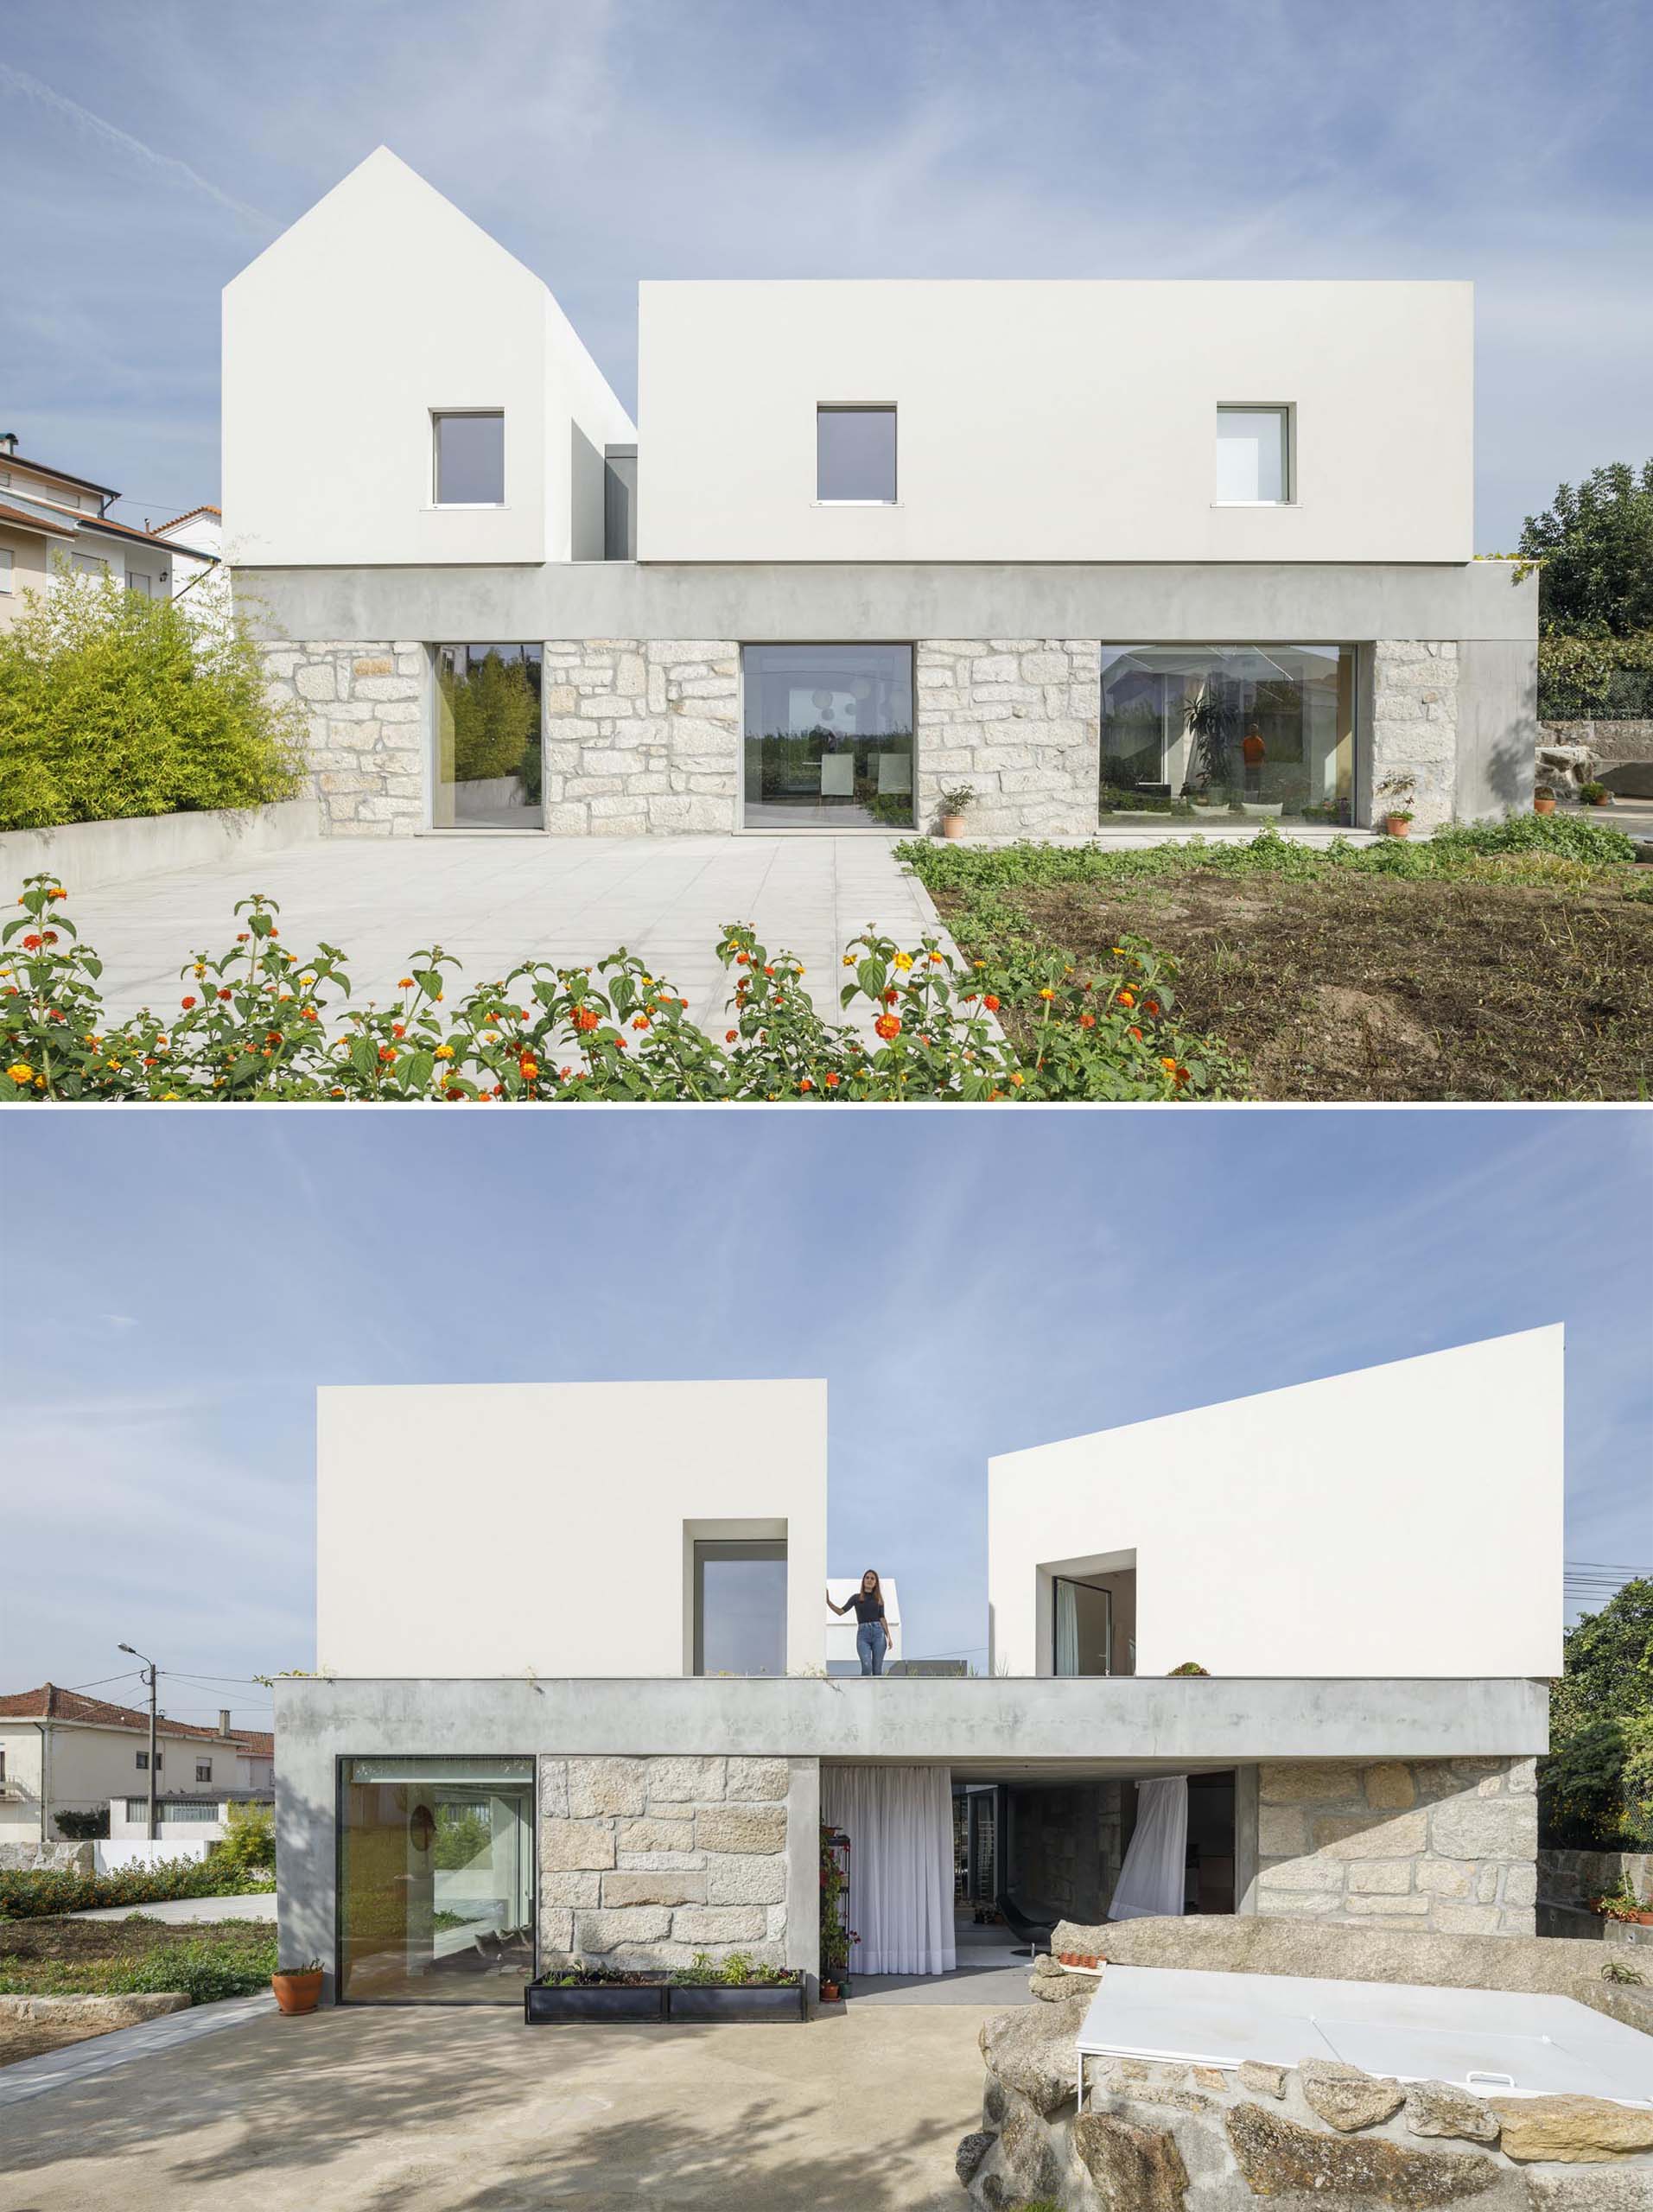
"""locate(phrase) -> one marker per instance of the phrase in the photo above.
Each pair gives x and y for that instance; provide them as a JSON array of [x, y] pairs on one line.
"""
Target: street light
[[135, 1654]]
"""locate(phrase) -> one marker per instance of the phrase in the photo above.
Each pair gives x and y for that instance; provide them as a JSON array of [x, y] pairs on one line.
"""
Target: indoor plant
[[298, 1989], [955, 804], [1543, 799]]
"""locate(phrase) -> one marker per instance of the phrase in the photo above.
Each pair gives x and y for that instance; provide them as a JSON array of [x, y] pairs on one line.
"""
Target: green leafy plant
[[1189, 1667], [958, 800], [219, 1960], [1594, 794], [1595, 1786], [258, 1022], [113, 704], [1616, 1970], [1596, 544], [37, 1892], [838, 1939], [83, 1828], [248, 1845], [1621, 1903]]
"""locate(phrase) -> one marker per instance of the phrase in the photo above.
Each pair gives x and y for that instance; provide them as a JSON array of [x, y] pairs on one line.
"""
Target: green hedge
[[37, 1893], [113, 704], [1596, 680]]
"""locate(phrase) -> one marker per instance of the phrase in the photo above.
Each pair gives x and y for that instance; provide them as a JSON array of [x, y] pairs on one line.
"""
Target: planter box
[[710, 2001], [593, 2000], [84, 854]]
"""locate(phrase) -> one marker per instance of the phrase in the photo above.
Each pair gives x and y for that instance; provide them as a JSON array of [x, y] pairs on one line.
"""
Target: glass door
[[1083, 1621], [487, 772], [436, 1880]]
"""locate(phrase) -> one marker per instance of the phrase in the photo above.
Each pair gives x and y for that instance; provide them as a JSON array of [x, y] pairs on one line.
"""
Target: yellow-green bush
[[115, 704]]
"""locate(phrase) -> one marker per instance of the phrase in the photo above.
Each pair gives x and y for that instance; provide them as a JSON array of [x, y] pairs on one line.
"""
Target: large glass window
[[488, 758], [829, 736], [469, 459], [854, 455], [1253, 457], [1228, 732], [741, 1608], [436, 1880]]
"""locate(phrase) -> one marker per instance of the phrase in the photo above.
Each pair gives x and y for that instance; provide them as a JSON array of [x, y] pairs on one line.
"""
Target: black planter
[[593, 2000], [721, 2001]]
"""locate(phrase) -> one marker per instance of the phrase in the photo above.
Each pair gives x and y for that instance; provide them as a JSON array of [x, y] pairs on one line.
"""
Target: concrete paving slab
[[81, 2062], [255, 1904], [431, 2110], [493, 901]]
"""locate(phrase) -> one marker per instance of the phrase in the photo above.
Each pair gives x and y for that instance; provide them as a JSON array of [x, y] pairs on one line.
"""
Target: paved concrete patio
[[495, 900], [421, 2109], [254, 1905]]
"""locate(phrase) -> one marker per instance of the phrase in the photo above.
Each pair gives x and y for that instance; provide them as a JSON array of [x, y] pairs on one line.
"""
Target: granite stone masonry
[[1447, 1845], [1413, 734], [643, 1862], [366, 712], [642, 736], [1019, 720]]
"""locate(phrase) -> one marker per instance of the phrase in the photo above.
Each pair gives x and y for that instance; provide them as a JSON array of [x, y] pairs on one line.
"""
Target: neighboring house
[[1184, 553], [45, 511], [63, 1751], [187, 1821], [573, 1697]]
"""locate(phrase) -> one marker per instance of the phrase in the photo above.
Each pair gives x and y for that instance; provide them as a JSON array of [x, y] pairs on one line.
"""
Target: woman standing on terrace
[[872, 1631]]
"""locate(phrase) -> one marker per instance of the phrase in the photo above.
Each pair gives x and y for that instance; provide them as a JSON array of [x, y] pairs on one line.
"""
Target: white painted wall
[[1404, 1520], [89, 1766], [380, 304], [1055, 421], [483, 1529]]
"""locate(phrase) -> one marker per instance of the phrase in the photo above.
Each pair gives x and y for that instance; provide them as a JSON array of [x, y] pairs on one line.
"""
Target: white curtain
[[1067, 1629], [900, 1823], [1151, 1881]]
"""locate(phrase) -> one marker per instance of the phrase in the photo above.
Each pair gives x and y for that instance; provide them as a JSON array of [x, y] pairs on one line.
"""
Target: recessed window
[[470, 456], [828, 731], [741, 1608], [6, 583], [1253, 457], [143, 1762], [203, 1770], [854, 455]]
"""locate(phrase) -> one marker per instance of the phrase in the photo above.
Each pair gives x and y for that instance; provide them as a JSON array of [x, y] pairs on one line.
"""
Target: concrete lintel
[[1122, 602]]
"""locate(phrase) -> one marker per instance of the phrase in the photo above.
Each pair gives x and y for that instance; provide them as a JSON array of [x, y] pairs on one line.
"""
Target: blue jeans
[[871, 1643]]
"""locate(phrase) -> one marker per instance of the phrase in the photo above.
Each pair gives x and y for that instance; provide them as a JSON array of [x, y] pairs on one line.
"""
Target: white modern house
[[62, 1752], [572, 1694], [1115, 553]]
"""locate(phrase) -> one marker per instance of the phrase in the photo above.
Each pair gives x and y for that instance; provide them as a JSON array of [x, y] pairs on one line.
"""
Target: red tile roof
[[48, 1702], [189, 515]]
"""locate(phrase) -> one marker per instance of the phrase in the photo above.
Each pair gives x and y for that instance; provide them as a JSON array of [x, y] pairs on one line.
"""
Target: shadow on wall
[[488, 2113]]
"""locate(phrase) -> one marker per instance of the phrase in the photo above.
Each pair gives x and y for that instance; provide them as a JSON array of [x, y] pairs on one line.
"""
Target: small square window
[[470, 458], [1253, 457], [854, 455], [203, 1770]]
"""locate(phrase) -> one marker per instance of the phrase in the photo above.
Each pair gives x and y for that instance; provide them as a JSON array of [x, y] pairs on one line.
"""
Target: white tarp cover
[[1489, 2041], [900, 1823], [1152, 1880]]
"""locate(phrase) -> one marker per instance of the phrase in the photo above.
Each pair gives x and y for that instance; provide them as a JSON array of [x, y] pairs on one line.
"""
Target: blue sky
[[178, 1285], [148, 153]]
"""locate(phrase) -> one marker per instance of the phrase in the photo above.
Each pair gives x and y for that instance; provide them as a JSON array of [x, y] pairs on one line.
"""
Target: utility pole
[[149, 1678]]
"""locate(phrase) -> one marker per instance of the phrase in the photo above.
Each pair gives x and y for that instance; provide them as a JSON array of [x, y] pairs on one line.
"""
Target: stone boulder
[[1345, 2098], [1437, 2108], [1136, 2167], [1574, 2131], [1279, 2159], [971, 2150], [1031, 2050]]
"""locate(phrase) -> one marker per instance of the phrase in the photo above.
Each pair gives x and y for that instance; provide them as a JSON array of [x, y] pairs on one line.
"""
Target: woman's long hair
[[878, 1587]]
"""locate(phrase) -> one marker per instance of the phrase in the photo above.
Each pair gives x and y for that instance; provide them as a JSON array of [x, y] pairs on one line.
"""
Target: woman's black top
[[869, 1608]]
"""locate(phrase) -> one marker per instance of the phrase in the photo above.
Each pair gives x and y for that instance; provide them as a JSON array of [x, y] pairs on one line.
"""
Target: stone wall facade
[[366, 710], [1412, 730], [643, 1862], [642, 736], [1019, 720], [1443, 1844]]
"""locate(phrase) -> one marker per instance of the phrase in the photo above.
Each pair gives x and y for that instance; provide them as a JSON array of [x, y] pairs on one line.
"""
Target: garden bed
[[702, 1998], [1527, 975], [201, 1961]]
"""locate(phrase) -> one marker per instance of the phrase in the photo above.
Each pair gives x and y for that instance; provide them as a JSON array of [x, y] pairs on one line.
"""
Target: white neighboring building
[[63, 1751], [48, 515], [572, 1646], [188, 1824]]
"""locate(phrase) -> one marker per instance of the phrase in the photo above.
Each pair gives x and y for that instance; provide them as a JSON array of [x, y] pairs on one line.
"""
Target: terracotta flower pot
[[1398, 826], [1606, 799], [828, 1992], [297, 1993], [1543, 806], [953, 825]]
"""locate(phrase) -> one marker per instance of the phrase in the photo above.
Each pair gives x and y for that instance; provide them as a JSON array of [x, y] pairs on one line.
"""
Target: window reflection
[[488, 758], [829, 736]]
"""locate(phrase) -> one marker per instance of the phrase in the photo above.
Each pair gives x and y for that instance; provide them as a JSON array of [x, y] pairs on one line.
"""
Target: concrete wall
[[380, 304], [548, 1527], [84, 854], [1055, 421], [1405, 1520]]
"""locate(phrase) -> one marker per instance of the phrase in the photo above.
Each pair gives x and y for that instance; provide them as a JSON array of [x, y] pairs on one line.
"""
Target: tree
[[1596, 544], [496, 712], [1595, 1786]]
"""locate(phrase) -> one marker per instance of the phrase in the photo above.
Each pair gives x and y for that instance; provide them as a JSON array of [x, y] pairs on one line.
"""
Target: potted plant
[[737, 1990], [1210, 718], [1623, 1904], [954, 805], [1394, 792], [1543, 799], [1595, 794], [837, 1937], [582, 1993], [298, 1989]]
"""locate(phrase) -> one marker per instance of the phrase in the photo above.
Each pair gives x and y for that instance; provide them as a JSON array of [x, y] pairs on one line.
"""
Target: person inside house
[[871, 1630], [1253, 752]]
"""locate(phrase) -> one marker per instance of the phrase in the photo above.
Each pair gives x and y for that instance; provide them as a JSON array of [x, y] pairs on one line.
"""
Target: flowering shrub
[[258, 1022]]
